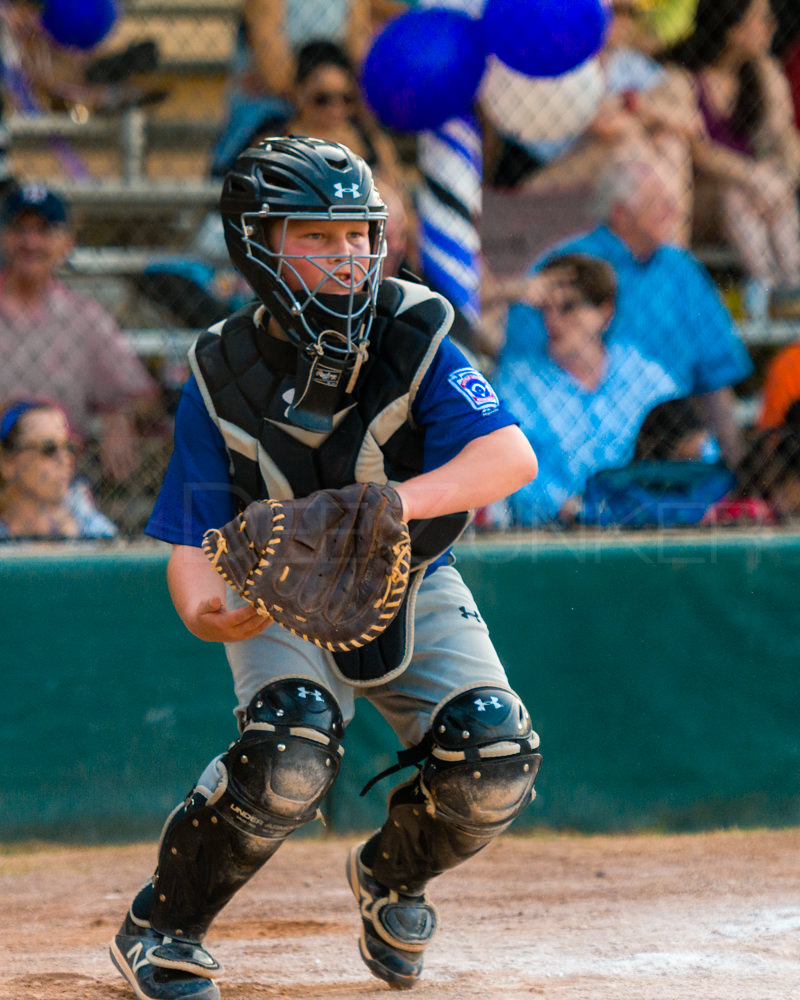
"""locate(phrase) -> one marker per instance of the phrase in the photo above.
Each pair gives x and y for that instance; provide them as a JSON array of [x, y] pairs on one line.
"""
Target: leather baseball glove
[[331, 567]]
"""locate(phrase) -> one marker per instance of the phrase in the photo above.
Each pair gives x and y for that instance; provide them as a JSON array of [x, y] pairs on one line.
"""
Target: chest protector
[[247, 379]]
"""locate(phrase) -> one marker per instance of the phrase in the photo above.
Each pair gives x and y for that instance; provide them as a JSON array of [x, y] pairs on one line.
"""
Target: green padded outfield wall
[[662, 674]]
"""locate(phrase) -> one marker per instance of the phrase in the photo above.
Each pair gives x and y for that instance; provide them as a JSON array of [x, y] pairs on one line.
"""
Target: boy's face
[[318, 247]]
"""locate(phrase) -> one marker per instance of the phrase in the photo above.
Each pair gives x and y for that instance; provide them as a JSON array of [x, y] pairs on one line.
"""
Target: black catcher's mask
[[287, 178]]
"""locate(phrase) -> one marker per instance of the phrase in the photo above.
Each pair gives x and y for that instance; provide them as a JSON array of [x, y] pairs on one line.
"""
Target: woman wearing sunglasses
[[582, 401], [328, 105], [39, 495]]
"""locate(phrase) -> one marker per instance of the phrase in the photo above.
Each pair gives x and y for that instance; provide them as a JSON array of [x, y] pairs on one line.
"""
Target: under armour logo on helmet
[[340, 190]]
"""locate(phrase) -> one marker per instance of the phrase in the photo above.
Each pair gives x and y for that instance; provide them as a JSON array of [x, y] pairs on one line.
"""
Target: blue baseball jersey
[[454, 405]]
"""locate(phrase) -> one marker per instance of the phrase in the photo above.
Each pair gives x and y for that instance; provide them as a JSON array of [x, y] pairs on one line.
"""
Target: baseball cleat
[[159, 967], [395, 928]]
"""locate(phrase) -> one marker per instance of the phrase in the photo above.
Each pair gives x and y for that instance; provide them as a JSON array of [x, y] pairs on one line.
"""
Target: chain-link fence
[[136, 133]]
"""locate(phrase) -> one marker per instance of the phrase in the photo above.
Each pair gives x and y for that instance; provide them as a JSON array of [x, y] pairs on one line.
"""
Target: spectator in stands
[[40, 74], [7, 16], [401, 253], [768, 482], [667, 305], [672, 481], [781, 388], [664, 23], [746, 150], [61, 345], [264, 67], [673, 431], [786, 46], [581, 403], [39, 495], [328, 105], [640, 117]]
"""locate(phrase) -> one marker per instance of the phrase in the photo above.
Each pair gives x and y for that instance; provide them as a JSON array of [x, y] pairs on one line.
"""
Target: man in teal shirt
[[667, 305]]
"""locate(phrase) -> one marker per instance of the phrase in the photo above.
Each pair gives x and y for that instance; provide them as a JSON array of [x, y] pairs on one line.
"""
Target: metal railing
[[133, 133]]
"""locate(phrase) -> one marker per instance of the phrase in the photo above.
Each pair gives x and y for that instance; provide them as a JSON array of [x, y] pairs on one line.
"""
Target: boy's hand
[[214, 623]]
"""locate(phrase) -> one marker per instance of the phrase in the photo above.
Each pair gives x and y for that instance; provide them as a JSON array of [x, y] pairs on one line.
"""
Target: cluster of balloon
[[428, 65], [78, 24]]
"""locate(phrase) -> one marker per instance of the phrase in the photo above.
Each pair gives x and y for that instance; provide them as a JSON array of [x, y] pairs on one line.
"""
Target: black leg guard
[[268, 783], [477, 778]]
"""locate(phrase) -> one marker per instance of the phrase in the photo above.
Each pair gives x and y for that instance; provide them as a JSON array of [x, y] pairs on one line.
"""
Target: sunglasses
[[49, 449], [325, 98], [564, 308]]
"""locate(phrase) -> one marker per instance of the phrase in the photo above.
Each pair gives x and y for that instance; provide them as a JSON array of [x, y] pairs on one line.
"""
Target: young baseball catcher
[[329, 448]]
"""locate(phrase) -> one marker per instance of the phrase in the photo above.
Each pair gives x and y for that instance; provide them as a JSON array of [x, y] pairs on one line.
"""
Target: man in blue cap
[[58, 344]]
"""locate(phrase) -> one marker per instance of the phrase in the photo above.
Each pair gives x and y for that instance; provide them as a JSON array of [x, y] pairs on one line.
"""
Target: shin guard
[[478, 776], [267, 784]]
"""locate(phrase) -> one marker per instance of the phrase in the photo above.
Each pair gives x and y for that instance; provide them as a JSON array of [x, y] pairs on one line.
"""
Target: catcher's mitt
[[331, 567]]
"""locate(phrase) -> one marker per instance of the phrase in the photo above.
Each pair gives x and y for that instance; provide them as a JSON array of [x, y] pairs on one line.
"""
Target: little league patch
[[475, 389]]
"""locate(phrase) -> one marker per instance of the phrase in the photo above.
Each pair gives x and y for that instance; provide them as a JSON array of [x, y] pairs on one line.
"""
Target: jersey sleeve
[[454, 405], [196, 493]]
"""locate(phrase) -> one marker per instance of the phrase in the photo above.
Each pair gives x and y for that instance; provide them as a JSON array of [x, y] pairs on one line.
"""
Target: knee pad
[[480, 771], [274, 777]]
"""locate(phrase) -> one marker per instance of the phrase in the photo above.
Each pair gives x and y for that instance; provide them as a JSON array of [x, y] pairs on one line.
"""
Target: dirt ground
[[709, 917]]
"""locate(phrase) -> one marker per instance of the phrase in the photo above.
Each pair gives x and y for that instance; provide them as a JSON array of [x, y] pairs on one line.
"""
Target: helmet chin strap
[[361, 357]]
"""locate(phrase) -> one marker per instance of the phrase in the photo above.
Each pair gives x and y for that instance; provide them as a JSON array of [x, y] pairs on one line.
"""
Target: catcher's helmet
[[297, 177]]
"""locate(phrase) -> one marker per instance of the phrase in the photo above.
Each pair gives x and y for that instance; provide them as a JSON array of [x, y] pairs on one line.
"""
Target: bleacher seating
[[170, 138], [145, 189]]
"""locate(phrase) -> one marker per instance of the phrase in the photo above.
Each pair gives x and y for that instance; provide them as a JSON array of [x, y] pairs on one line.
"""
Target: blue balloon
[[424, 68], [78, 24], [544, 37]]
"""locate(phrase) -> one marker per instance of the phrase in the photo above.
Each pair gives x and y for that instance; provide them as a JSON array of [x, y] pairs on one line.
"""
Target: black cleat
[[395, 929], [160, 967]]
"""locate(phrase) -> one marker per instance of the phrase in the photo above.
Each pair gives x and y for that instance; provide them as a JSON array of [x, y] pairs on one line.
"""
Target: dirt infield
[[708, 917]]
